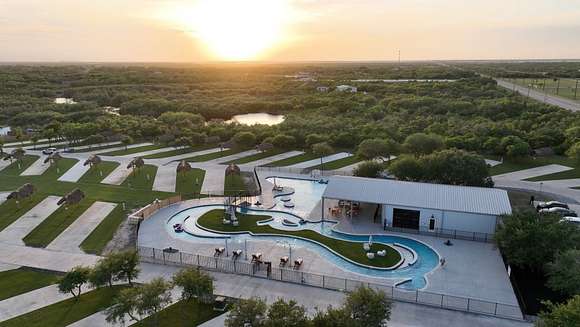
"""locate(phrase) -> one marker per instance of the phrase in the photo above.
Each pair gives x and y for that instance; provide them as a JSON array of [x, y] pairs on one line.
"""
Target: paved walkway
[[72, 237], [37, 168], [43, 258], [3, 196], [539, 96], [17, 144], [16, 231], [316, 162], [33, 300], [533, 172], [8, 266], [119, 175], [75, 172], [166, 178], [265, 161]]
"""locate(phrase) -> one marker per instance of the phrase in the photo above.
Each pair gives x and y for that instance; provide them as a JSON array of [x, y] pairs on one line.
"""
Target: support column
[[322, 204]]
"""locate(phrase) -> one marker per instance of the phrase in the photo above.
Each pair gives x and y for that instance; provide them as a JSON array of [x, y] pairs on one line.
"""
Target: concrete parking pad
[[214, 180], [37, 168], [4, 164], [492, 163], [265, 161], [316, 162], [75, 172], [3, 196], [186, 155], [33, 300], [15, 232], [119, 175], [534, 172], [72, 237], [146, 153], [7, 266], [232, 157], [166, 178]]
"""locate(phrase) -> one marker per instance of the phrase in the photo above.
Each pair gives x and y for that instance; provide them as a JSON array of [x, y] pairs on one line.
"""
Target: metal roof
[[479, 200]]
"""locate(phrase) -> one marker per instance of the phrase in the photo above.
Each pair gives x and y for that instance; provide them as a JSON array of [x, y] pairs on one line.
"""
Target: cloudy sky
[[287, 30]]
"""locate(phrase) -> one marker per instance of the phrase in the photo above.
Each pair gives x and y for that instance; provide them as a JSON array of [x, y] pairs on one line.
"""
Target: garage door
[[403, 218]]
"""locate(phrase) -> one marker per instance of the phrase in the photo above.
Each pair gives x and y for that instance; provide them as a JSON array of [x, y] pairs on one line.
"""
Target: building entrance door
[[403, 218]]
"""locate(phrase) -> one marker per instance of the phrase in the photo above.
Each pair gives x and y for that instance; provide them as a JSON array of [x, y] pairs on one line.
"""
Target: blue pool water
[[306, 196]]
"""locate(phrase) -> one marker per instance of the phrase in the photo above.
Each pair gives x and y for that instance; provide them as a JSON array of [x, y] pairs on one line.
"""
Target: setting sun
[[235, 30]]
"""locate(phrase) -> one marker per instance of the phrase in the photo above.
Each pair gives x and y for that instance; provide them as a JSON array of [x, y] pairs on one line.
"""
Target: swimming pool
[[306, 196]]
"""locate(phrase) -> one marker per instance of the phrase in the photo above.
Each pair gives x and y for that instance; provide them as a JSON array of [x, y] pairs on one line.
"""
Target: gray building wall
[[461, 221]]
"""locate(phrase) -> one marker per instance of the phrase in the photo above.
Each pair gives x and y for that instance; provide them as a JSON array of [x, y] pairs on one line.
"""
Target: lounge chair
[[366, 246], [382, 253], [236, 254], [298, 263], [257, 257], [283, 261], [370, 255], [219, 251]]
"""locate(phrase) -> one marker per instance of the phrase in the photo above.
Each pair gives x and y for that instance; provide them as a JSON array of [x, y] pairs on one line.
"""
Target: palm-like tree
[[25, 191], [72, 198], [183, 167], [53, 159], [93, 161]]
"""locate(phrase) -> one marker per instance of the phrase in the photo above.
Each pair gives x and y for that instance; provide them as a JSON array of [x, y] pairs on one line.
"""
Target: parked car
[[68, 150], [551, 204], [558, 210], [49, 151], [572, 220]]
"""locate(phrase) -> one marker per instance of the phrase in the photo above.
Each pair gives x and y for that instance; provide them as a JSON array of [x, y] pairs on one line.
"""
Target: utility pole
[[558, 87], [576, 89]]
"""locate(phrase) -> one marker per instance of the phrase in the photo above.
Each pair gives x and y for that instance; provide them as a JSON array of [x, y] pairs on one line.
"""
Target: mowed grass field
[[22, 280], [567, 86]]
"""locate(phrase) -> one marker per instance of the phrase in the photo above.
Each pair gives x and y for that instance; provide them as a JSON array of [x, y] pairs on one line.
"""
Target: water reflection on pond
[[257, 118]]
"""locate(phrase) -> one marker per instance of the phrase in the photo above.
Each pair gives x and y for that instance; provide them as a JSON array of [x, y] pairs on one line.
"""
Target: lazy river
[[306, 195]]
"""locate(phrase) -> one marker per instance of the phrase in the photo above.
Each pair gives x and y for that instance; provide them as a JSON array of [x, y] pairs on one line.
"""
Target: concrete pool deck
[[472, 269]]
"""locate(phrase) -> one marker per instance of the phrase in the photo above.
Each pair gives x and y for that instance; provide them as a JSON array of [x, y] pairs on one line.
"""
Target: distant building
[[346, 88], [323, 89]]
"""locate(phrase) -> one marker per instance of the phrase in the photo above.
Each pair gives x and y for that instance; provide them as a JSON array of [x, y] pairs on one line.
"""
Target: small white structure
[[323, 89], [424, 206], [346, 88]]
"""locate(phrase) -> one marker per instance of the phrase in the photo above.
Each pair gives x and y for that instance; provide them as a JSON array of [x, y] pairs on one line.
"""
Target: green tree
[[312, 139], [332, 317], [73, 281], [322, 150], [125, 265], [194, 283], [286, 314], [103, 273], [574, 152], [283, 141], [370, 169], [421, 144], [244, 139], [407, 168], [564, 272], [376, 148], [561, 315], [125, 305], [127, 140], [367, 307], [530, 240], [251, 311]]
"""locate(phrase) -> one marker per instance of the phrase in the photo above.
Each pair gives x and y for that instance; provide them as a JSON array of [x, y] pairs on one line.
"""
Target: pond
[[257, 118]]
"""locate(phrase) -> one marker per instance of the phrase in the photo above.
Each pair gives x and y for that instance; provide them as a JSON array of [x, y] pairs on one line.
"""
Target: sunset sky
[[287, 30]]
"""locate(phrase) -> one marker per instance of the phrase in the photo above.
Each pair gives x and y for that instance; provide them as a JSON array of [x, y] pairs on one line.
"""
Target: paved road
[[534, 172], [539, 96]]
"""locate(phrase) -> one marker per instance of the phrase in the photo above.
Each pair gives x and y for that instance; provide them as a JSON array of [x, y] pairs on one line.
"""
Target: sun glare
[[235, 29]]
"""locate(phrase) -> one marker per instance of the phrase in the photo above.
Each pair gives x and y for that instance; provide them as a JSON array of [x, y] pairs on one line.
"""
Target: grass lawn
[[566, 89], [336, 164], [68, 311], [177, 152], [293, 160], [520, 200], [97, 173], [351, 250], [509, 166], [10, 211], [142, 178], [214, 155], [257, 156], [189, 184], [55, 224], [22, 280], [100, 236], [234, 185], [133, 150], [183, 313], [16, 168]]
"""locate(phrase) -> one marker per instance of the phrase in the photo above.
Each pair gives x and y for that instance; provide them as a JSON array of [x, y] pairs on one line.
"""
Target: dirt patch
[[124, 239]]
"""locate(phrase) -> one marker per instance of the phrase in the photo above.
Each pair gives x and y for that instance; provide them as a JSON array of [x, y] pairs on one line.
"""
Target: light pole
[[289, 249], [541, 183]]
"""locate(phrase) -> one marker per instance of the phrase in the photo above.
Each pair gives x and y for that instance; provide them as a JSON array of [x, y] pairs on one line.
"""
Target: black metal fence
[[445, 233], [241, 267]]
